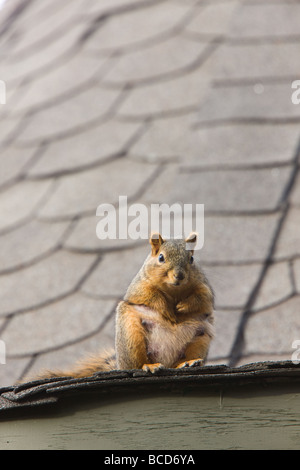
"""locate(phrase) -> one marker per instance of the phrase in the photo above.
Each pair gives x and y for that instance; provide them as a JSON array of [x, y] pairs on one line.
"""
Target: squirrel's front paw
[[181, 307], [191, 363], [153, 368]]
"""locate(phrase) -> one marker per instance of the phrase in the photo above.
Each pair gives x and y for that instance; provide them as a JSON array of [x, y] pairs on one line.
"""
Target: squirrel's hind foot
[[153, 368], [192, 363]]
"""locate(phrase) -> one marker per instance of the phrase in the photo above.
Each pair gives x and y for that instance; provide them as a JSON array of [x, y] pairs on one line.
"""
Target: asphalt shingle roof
[[162, 101]]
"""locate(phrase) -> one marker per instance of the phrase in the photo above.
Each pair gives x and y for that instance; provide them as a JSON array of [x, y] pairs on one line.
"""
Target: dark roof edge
[[45, 392]]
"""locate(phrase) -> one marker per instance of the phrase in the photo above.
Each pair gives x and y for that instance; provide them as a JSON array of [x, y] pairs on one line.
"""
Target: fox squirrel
[[166, 317]]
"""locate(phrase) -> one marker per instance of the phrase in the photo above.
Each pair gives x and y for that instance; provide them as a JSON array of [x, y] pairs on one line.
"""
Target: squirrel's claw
[[191, 363], [153, 368]]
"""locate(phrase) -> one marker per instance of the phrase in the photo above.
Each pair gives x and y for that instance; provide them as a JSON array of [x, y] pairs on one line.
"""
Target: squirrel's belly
[[166, 343], [164, 347]]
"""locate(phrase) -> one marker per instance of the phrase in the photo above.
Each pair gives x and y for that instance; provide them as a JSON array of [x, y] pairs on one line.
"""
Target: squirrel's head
[[171, 261]]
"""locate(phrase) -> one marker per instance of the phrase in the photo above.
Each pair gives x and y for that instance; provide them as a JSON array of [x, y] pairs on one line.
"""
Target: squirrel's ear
[[191, 241], [155, 241]]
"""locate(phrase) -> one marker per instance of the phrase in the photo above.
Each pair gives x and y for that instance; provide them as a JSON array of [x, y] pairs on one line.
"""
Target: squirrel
[[166, 319]]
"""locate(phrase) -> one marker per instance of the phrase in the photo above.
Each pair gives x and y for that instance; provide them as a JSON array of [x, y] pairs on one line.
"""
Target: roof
[[160, 101], [31, 395]]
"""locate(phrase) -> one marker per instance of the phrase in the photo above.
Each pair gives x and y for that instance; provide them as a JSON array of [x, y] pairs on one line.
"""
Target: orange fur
[[166, 318]]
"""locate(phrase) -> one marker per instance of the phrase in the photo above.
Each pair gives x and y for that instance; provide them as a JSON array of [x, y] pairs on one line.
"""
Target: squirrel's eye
[[192, 260], [161, 258]]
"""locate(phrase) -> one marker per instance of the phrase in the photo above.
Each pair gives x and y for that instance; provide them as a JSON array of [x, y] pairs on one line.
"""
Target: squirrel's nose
[[179, 275]]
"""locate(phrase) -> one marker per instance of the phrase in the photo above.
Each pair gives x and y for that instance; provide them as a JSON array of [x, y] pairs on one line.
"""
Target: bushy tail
[[103, 362]]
